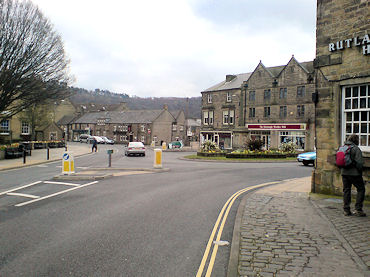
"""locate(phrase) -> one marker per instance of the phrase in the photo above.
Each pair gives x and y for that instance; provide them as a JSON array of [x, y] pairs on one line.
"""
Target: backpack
[[343, 156]]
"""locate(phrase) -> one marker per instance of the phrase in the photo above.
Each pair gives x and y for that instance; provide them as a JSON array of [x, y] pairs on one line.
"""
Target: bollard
[[47, 153], [157, 158], [164, 146], [24, 156], [109, 152], [68, 165]]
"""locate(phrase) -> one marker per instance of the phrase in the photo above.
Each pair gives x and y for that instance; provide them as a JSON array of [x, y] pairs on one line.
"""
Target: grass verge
[[195, 157]]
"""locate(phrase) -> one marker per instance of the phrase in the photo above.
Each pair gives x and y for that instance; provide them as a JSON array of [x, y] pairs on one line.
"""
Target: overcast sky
[[154, 48]]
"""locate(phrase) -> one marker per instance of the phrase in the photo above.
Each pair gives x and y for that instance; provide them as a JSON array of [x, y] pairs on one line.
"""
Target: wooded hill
[[191, 106]]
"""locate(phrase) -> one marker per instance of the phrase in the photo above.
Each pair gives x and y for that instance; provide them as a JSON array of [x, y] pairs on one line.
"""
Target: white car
[[135, 148], [107, 140], [98, 139]]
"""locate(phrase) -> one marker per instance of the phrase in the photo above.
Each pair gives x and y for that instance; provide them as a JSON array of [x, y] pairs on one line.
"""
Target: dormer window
[[209, 98]]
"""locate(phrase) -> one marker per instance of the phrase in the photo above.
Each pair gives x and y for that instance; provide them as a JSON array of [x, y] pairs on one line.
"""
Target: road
[[135, 225]]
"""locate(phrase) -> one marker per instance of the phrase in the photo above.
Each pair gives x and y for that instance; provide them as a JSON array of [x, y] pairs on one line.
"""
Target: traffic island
[[94, 174]]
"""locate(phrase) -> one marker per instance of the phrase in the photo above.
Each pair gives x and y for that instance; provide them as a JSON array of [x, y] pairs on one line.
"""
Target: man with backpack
[[352, 175]]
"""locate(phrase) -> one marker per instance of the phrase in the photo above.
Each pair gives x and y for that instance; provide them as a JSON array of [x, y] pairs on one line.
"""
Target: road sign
[[68, 165]]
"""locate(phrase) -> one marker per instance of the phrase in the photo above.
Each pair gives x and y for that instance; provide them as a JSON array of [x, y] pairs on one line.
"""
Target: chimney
[[165, 107], [230, 78]]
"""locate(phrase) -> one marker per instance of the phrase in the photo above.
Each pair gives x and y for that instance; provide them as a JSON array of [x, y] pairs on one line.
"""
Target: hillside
[[191, 106]]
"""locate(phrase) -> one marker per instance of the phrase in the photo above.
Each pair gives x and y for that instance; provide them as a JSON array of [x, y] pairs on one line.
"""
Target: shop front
[[224, 140], [274, 135]]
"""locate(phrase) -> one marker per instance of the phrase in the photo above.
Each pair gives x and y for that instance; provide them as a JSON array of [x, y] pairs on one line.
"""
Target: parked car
[[135, 148], [98, 139], [85, 138], [107, 140], [307, 158], [175, 144]]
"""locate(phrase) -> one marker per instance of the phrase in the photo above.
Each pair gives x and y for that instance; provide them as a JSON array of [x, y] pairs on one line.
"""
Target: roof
[[237, 81], [138, 116], [66, 120], [233, 84]]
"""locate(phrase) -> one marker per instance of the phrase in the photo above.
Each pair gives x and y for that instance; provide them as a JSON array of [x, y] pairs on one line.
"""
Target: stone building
[[343, 86], [273, 104], [125, 126]]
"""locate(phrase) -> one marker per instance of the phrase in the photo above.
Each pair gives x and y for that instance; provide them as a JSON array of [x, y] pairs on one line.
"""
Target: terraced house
[[273, 104]]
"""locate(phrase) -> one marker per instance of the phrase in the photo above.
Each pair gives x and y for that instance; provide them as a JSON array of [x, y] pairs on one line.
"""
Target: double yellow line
[[223, 215]]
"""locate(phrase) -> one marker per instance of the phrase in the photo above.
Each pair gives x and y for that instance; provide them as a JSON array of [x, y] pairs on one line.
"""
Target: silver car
[[135, 148]]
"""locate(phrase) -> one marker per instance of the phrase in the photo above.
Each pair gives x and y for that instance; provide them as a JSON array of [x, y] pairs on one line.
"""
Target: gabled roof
[[124, 117], [67, 119], [233, 84], [176, 114]]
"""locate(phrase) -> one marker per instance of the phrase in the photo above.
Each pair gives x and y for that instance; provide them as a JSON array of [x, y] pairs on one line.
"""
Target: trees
[[33, 64]]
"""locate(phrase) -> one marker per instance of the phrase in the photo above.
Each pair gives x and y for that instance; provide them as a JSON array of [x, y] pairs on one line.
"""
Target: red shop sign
[[276, 126]]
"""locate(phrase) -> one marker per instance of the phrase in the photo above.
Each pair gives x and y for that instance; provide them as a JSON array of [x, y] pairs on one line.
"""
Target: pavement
[[283, 230], [39, 156], [280, 230]]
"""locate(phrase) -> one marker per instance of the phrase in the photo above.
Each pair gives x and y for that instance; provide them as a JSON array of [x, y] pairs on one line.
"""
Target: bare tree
[[33, 64]]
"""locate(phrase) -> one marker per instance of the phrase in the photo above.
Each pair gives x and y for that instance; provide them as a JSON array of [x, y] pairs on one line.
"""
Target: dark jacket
[[356, 155]]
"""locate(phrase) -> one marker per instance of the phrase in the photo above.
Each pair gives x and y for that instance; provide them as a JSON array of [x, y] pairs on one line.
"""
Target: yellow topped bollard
[[68, 165], [152, 144], [157, 158], [164, 146]]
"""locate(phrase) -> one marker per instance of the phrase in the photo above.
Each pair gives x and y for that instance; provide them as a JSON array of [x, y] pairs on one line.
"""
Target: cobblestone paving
[[356, 230], [282, 234]]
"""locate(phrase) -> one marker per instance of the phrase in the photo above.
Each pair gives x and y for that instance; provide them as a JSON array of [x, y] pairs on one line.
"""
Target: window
[[252, 96], [181, 128], [301, 91], [143, 128], [25, 128], [210, 114], [4, 127], [356, 113], [209, 98], [208, 118], [231, 117], [283, 111], [125, 128], [205, 118], [114, 128], [228, 97], [296, 137], [228, 117], [267, 94], [225, 116], [174, 127], [252, 112], [283, 93], [300, 110], [267, 111]]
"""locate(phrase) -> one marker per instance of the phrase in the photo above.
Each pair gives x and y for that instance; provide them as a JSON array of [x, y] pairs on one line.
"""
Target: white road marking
[[54, 194], [62, 183], [29, 185], [23, 195], [41, 165]]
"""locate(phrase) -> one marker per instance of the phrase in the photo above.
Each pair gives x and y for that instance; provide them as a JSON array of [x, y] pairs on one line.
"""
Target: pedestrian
[[352, 175], [94, 146]]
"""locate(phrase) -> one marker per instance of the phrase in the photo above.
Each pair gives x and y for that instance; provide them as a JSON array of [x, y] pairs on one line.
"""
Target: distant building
[[135, 125], [271, 103]]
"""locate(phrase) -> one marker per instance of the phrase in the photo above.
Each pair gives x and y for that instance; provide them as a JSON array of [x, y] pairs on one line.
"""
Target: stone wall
[[340, 22]]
